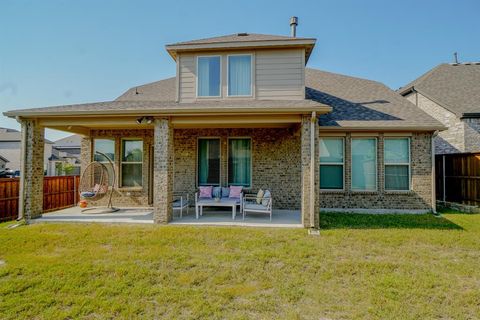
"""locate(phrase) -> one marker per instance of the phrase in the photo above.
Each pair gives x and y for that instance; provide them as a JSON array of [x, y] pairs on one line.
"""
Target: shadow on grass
[[384, 221]]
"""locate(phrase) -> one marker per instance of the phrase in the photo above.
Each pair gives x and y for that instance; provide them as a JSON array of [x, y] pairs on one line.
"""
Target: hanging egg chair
[[94, 185]]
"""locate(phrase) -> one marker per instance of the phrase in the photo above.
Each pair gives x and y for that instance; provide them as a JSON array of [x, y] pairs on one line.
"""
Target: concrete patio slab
[[212, 217]]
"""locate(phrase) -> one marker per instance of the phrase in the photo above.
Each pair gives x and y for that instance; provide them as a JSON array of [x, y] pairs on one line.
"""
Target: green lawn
[[361, 267]]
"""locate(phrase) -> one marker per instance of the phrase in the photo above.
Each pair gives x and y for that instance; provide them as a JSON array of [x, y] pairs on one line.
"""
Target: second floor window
[[240, 75], [208, 76]]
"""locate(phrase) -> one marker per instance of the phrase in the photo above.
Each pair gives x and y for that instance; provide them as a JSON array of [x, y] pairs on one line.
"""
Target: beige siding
[[276, 74], [187, 78], [280, 74]]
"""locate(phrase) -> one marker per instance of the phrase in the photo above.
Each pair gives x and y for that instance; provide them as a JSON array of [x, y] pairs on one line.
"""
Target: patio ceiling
[[83, 125]]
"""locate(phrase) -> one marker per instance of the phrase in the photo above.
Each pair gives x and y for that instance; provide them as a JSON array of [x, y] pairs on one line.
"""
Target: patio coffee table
[[212, 203]]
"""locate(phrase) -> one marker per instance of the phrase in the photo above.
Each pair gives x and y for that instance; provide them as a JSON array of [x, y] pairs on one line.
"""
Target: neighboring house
[[10, 148], [450, 93], [3, 163], [244, 110], [65, 158]]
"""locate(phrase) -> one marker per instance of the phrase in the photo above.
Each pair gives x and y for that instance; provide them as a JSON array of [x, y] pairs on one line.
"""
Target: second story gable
[[241, 66]]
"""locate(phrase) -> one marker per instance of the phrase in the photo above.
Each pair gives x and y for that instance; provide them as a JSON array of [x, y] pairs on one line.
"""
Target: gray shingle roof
[[163, 90], [454, 86], [361, 103], [238, 37], [355, 102]]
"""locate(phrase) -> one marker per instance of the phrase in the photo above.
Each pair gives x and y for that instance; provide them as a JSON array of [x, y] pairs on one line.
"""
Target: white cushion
[[259, 196], [266, 197]]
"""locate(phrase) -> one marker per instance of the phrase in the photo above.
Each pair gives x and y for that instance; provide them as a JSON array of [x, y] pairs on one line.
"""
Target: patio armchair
[[251, 204], [180, 202]]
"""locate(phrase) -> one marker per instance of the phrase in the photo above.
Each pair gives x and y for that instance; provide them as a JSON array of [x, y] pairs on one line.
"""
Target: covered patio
[[211, 217], [284, 151]]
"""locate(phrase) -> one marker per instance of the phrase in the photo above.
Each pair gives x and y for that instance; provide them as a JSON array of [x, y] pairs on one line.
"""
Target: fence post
[[74, 190], [443, 177]]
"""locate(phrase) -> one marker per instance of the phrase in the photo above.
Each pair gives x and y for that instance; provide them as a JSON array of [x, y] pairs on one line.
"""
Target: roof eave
[[307, 43], [172, 111]]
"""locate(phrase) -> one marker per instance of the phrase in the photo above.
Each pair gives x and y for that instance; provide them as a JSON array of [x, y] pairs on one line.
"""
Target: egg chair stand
[[94, 185]]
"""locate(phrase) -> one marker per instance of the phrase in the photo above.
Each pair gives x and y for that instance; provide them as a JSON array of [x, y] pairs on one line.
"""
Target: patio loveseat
[[210, 196]]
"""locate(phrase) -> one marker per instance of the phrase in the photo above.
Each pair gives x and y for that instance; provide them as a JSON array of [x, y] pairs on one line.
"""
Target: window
[[107, 147], [364, 164], [208, 76], [397, 163], [208, 162], [331, 163], [239, 162], [132, 163], [240, 75]]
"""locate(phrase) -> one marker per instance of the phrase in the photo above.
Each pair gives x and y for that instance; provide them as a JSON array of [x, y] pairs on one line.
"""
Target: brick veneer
[[275, 161], [128, 196], [277, 158], [163, 171], [31, 178], [462, 135], [419, 199]]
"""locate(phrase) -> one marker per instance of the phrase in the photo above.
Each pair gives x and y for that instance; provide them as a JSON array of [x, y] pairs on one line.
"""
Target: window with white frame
[[208, 162], [364, 164], [208, 76], [397, 164], [240, 75], [132, 163], [107, 148], [239, 162], [331, 163]]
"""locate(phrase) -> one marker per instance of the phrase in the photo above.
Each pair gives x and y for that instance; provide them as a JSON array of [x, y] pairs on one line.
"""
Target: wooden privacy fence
[[58, 192], [458, 178]]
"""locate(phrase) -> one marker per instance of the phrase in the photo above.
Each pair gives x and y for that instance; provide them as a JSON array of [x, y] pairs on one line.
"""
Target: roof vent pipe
[[293, 26], [455, 57]]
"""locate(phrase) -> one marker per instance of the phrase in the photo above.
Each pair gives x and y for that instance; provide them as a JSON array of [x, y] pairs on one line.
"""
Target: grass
[[361, 267]]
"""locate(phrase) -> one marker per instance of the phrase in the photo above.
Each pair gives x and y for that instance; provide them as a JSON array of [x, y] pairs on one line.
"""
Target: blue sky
[[64, 52]]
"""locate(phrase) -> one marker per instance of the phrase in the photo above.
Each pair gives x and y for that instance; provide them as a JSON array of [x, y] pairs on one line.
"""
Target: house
[[10, 145], [243, 109], [65, 158], [450, 93], [3, 163]]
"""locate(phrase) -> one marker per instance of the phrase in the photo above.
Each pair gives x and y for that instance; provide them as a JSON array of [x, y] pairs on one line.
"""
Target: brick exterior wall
[[122, 197], [463, 135], [419, 199], [32, 167], [277, 159]]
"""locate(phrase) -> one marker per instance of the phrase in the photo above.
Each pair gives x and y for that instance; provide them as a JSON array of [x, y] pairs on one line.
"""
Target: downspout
[[312, 169], [434, 193]]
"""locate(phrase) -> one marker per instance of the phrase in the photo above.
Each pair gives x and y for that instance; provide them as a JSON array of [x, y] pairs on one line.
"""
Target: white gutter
[[312, 169]]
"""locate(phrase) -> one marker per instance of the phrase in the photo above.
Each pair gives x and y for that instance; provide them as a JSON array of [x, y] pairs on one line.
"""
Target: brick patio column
[[163, 171], [86, 153], [310, 200], [31, 170]]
